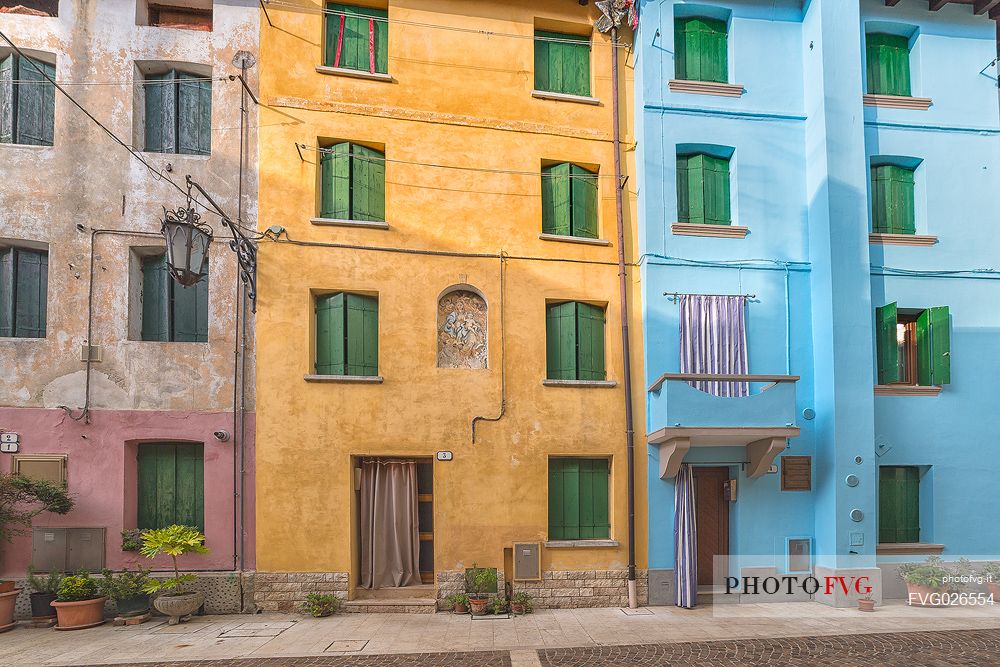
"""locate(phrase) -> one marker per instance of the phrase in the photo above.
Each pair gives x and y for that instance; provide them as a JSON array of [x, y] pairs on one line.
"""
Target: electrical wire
[[135, 83], [436, 26]]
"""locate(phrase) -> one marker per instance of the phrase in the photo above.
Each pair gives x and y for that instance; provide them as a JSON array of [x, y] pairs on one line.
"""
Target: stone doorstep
[[391, 606]]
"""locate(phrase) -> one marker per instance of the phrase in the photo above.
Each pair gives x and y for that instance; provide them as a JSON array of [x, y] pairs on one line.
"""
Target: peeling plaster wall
[[87, 180]]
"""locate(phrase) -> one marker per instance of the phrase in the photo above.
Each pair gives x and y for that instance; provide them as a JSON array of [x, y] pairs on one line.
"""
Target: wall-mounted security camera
[[221, 436]]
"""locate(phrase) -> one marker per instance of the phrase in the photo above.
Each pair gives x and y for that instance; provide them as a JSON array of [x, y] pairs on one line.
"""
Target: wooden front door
[[712, 510]]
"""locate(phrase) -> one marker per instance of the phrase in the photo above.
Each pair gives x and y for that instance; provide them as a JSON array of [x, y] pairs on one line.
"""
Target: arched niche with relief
[[462, 337]]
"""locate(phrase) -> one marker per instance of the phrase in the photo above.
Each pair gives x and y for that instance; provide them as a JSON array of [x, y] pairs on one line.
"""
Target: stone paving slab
[[477, 659]]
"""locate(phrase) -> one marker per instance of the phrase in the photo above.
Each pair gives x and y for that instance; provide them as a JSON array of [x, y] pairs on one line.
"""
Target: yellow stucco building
[[442, 172]]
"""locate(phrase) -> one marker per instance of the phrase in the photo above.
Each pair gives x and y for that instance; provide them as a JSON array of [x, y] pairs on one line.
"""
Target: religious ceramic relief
[[462, 339]]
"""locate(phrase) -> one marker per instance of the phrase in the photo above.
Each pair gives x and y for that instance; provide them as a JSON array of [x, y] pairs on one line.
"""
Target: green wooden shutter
[[560, 341], [362, 335], [543, 55], [880, 201], [716, 198], [155, 299], [35, 103], [354, 52], [590, 342], [6, 292], [331, 37], [31, 285], [330, 345], [7, 99], [161, 113], [701, 50], [557, 519], [934, 347], [887, 352], [887, 60], [367, 184], [583, 195], [576, 65], [594, 523], [899, 208], [683, 190], [335, 166], [557, 200], [381, 34], [194, 115], [562, 63], [899, 504], [189, 306], [696, 189], [171, 481]]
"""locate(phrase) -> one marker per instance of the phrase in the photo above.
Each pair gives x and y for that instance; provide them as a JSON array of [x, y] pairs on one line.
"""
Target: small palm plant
[[173, 541]]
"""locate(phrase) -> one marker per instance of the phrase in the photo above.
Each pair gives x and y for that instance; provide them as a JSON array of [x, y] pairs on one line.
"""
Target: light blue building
[[836, 163]]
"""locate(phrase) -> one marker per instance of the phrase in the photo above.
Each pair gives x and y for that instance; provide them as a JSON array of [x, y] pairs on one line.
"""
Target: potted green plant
[[320, 605], [78, 604], [925, 581], [174, 541], [21, 500], [479, 582], [498, 605], [127, 589], [520, 603], [459, 603], [866, 603], [991, 573], [46, 589]]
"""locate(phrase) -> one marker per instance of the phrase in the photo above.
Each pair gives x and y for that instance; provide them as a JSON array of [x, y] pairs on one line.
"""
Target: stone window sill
[[898, 102], [706, 88], [573, 239], [718, 231], [180, 156], [906, 390], [582, 544], [901, 239], [337, 222], [7, 144], [354, 73], [565, 97], [580, 383], [907, 548], [347, 379]]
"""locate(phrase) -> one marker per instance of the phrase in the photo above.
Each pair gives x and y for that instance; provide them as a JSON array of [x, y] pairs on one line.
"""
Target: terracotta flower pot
[[80, 614], [866, 605], [517, 608], [41, 606], [460, 609], [7, 601], [994, 589], [179, 607], [6, 586], [478, 606], [919, 596]]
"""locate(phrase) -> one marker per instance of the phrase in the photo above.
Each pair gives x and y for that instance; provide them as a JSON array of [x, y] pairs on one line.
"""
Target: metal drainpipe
[[633, 600]]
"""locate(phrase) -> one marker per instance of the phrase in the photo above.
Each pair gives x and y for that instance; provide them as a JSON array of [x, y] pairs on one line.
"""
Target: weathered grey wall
[[85, 179]]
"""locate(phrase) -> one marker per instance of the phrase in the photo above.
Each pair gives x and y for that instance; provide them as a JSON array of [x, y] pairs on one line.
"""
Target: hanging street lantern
[[188, 241]]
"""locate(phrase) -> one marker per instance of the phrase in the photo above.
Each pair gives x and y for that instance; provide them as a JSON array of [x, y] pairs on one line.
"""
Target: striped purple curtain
[[685, 540], [714, 341]]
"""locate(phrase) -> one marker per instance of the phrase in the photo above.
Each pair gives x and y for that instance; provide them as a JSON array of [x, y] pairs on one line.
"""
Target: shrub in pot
[[320, 605], [480, 581], [520, 603], [866, 603], [459, 603], [78, 604], [127, 589], [172, 600], [46, 589], [924, 580], [498, 605]]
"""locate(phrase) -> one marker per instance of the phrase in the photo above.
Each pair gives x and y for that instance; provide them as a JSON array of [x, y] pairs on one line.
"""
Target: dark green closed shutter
[[7, 102], [336, 182], [888, 64], [556, 198], [170, 311], [161, 113], [155, 299], [560, 341], [590, 341], [330, 332], [194, 115], [190, 312], [24, 277], [368, 184], [35, 103], [362, 335], [892, 200], [562, 63], [887, 350], [7, 260], [171, 480], [584, 202], [703, 195], [934, 347], [578, 499], [899, 504], [701, 51], [361, 27]]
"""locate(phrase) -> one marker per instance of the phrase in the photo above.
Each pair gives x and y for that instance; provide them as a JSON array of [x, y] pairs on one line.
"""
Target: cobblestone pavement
[[915, 649]]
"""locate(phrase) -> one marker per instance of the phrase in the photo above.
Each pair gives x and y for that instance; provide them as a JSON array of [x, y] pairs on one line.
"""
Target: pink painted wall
[[101, 475]]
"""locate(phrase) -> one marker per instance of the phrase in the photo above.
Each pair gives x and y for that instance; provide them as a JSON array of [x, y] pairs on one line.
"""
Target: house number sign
[[9, 443], [445, 456]]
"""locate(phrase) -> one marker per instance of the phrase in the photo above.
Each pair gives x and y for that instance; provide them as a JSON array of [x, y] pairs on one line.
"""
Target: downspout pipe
[[633, 598]]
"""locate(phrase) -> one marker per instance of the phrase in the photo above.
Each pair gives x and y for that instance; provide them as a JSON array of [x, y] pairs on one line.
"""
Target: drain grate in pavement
[[257, 630], [347, 645], [640, 611]]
